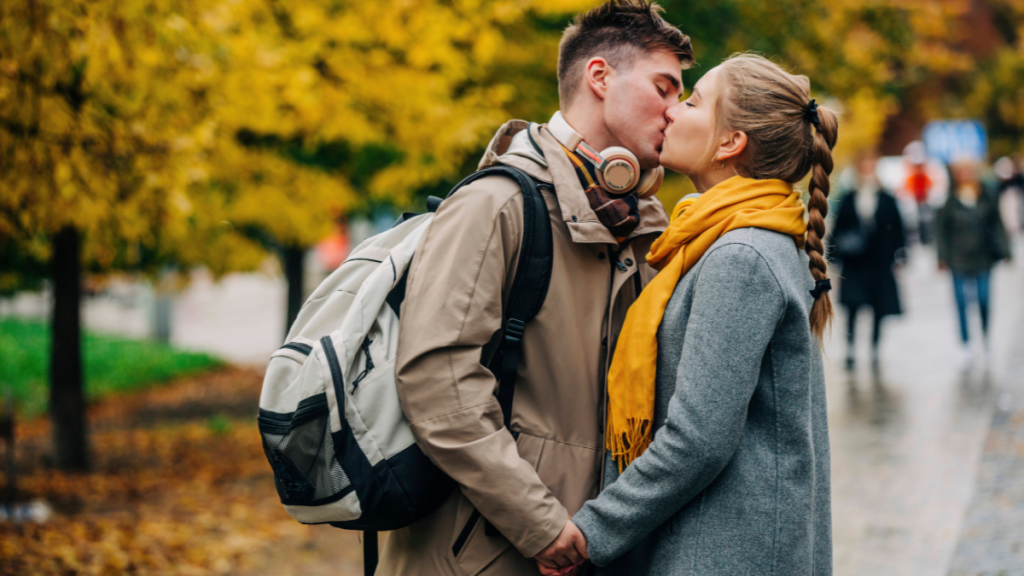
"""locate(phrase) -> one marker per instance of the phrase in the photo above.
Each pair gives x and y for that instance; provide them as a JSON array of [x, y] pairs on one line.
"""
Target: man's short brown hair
[[618, 31]]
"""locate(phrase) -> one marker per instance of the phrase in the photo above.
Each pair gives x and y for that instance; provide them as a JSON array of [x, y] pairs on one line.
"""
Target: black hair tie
[[821, 287], [811, 114]]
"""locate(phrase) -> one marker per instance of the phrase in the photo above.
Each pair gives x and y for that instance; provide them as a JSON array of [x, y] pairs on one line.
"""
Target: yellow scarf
[[696, 223]]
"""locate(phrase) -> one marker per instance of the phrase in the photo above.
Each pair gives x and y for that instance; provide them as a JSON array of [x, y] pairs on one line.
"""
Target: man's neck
[[590, 125]]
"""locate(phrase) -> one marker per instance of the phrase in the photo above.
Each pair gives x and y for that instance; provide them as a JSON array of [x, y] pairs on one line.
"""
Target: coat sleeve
[[845, 221], [897, 242], [452, 310], [901, 230], [1002, 238], [737, 304], [943, 233]]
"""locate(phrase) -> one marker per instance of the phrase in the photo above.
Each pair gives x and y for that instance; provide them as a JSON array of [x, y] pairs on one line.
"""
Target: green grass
[[112, 364]]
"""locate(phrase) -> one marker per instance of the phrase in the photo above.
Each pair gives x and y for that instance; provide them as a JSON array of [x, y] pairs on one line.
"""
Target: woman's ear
[[732, 145]]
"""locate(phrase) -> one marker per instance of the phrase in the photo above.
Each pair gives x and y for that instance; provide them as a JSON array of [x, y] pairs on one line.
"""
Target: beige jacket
[[461, 275]]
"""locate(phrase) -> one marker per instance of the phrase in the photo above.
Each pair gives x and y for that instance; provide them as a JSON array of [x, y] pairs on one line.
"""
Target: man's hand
[[567, 551]]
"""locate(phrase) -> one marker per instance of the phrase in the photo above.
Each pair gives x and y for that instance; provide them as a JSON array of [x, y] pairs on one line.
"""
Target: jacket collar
[[516, 144]]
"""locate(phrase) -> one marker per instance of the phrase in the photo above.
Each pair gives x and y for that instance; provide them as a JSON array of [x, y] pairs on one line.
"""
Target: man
[[618, 72]]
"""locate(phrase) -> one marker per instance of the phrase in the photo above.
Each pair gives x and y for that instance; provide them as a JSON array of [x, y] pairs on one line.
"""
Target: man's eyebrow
[[672, 79]]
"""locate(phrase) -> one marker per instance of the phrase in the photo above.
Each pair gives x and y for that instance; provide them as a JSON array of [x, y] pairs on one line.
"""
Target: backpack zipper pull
[[369, 364]]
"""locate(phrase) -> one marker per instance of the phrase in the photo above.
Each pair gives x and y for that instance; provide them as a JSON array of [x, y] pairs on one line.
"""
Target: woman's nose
[[670, 114]]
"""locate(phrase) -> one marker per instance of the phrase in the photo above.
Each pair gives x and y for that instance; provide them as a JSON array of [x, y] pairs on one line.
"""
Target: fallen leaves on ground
[[179, 485]]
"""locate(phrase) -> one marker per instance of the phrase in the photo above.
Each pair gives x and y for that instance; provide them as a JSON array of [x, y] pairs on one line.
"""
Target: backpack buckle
[[514, 331]]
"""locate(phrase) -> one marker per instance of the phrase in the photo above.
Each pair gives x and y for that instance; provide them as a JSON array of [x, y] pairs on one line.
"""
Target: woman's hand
[[569, 550], [570, 571]]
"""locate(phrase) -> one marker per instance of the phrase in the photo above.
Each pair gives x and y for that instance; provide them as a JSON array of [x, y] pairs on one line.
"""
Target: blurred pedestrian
[[919, 186], [869, 240], [971, 239]]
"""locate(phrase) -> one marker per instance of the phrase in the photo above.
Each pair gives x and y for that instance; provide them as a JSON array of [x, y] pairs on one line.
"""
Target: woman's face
[[691, 124]]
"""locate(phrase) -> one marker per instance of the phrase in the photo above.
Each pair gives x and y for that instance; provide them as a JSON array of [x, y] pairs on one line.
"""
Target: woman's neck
[[706, 180]]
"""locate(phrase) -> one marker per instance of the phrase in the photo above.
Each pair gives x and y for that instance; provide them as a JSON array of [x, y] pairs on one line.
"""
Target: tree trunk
[[293, 272], [67, 394], [161, 316]]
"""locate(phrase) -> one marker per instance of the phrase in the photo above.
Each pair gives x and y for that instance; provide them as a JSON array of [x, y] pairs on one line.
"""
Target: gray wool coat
[[736, 480]]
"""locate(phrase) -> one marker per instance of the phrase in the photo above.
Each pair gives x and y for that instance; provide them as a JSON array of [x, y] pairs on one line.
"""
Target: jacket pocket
[[471, 548]]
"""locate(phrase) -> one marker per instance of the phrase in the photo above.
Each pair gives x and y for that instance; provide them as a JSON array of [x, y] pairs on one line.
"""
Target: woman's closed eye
[[688, 103]]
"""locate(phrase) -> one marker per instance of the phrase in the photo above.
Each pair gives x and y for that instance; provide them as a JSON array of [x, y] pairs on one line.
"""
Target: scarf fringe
[[627, 445]]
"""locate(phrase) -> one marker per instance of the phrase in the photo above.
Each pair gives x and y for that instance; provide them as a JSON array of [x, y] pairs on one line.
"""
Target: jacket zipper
[[606, 361]]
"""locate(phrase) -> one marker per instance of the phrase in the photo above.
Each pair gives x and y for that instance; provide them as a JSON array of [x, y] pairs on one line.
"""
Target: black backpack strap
[[530, 285], [370, 555]]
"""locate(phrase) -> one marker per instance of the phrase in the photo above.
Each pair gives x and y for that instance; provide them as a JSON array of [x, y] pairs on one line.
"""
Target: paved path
[[906, 442], [992, 539]]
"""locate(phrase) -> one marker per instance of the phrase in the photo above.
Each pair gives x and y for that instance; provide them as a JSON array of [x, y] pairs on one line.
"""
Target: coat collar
[[556, 169]]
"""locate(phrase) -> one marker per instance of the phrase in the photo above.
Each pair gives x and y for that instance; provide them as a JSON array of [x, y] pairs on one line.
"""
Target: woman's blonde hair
[[785, 141]]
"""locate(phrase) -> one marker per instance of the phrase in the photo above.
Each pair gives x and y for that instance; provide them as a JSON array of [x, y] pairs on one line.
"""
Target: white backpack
[[332, 426]]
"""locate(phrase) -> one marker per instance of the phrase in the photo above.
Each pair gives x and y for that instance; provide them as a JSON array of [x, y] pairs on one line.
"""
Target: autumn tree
[[102, 111]]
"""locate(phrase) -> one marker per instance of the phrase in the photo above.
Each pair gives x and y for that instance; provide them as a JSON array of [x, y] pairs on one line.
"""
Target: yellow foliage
[[178, 129], [862, 120]]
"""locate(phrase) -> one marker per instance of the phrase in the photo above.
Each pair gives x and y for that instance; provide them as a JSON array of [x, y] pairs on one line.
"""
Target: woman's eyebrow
[[696, 93]]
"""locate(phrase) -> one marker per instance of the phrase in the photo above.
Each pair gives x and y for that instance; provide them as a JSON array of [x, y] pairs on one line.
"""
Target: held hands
[[565, 555]]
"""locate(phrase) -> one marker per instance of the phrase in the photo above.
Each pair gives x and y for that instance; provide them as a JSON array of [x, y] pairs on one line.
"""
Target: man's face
[[636, 101]]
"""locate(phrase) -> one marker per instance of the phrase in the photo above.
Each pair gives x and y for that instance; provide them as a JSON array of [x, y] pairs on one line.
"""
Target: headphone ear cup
[[650, 182], [621, 170]]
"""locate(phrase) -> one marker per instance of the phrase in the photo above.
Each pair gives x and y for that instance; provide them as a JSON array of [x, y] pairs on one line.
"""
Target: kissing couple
[[669, 413]]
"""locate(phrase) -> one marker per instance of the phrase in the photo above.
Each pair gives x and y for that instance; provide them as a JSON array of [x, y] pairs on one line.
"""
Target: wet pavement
[[992, 538], [907, 439]]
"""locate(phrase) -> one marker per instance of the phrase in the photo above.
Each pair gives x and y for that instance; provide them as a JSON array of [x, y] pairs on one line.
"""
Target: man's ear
[[733, 144], [596, 74]]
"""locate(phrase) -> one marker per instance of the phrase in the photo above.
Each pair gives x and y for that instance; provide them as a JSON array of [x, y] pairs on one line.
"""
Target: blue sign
[[952, 140]]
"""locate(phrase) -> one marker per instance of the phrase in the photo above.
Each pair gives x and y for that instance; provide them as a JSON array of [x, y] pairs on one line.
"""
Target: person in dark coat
[[971, 238], [869, 240]]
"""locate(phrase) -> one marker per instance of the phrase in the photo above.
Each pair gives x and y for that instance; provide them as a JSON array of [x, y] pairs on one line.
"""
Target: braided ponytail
[[817, 209], [787, 137]]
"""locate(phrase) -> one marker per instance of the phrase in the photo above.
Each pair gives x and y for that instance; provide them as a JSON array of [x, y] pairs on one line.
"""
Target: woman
[[869, 240], [970, 238], [716, 392]]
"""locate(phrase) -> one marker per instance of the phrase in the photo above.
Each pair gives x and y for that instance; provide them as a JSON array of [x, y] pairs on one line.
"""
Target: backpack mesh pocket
[[300, 449]]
